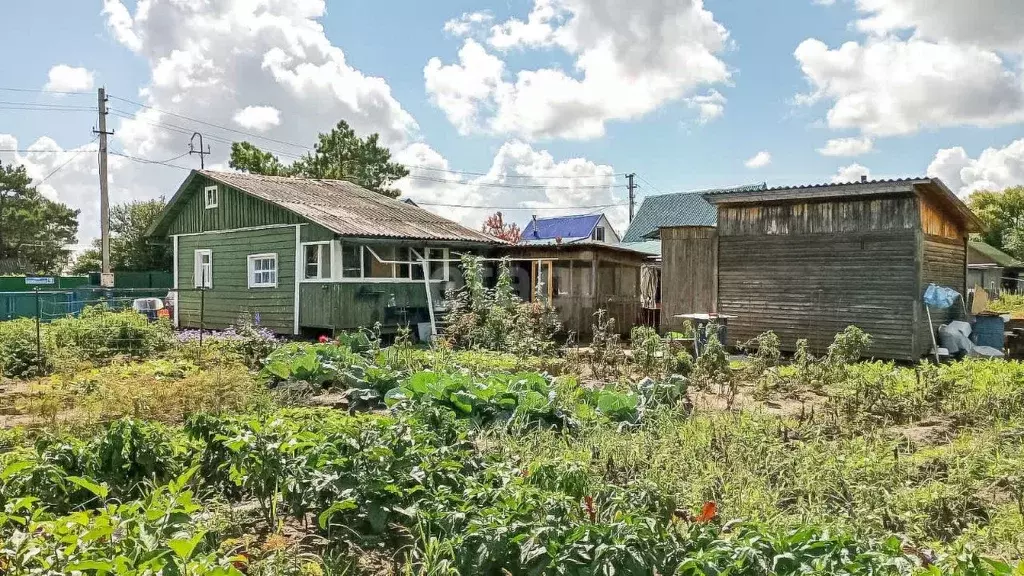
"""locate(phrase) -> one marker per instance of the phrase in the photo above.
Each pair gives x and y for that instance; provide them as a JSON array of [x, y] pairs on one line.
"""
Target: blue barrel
[[988, 331]]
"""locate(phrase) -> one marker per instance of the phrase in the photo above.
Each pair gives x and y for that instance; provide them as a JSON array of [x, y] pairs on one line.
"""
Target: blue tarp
[[940, 296]]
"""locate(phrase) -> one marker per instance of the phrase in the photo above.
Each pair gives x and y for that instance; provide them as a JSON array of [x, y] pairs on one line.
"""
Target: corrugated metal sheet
[[578, 226], [348, 209], [680, 209]]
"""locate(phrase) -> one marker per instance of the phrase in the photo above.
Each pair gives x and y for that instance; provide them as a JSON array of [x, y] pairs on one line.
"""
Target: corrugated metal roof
[[348, 209], [680, 209], [576, 226]]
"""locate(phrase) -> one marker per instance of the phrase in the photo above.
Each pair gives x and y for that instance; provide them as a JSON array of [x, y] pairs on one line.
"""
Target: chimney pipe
[[863, 177], [535, 226]]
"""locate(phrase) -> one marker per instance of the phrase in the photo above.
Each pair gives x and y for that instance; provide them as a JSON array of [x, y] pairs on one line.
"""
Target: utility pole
[[632, 194], [104, 196], [202, 152]]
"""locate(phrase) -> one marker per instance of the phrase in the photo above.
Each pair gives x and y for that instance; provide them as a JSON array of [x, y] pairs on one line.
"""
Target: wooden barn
[[808, 261]]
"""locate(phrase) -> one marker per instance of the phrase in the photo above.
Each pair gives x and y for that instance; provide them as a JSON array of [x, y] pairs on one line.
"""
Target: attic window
[[211, 196], [599, 233]]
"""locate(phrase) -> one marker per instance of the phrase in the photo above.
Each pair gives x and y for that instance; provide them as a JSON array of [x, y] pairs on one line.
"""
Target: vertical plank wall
[[689, 281], [943, 262], [809, 269]]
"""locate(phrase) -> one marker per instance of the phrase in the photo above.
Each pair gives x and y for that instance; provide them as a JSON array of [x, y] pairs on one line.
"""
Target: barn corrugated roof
[[345, 208], [680, 209]]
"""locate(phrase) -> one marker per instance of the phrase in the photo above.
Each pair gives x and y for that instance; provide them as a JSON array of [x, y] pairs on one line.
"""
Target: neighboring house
[[302, 255], [991, 268], [569, 230], [683, 210], [808, 261]]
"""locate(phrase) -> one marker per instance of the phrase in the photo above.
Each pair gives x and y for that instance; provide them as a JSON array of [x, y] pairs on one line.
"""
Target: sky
[[524, 106]]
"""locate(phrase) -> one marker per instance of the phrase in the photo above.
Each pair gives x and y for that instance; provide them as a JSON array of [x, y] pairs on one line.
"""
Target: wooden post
[[39, 337]]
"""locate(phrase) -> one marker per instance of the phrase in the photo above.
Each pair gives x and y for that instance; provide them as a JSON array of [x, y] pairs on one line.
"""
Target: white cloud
[[259, 118], [468, 23], [991, 24], [888, 86], [994, 169], [709, 106], [461, 89], [542, 185], [852, 173], [847, 146], [630, 59], [213, 61], [922, 64], [64, 78], [823, 2], [759, 160]]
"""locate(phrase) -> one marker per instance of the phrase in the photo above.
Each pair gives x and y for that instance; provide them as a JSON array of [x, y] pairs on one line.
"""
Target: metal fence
[[46, 305]]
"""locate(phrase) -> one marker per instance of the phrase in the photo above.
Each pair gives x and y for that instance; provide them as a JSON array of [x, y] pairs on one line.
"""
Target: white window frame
[[211, 195], [599, 233], [320, 264], [251, 266], [197, 276], [338, 262]]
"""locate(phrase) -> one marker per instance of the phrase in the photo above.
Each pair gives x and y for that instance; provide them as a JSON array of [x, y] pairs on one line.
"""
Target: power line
[[591, 207], [68, 161], [38, 151], [218, 126], [148, 161], [648, 182], [517, 186], [42, 91], [189, 131], [539, 176]]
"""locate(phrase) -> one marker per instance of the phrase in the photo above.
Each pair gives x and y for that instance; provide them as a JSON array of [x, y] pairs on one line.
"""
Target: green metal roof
[[681, 209], [996, 255], [649, 247]]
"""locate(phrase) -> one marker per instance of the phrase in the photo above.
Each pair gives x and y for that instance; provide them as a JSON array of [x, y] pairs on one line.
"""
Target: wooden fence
[[577, 313]]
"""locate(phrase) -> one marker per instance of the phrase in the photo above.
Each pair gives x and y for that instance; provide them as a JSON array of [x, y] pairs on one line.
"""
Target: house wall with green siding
[[231, 296], [234, 209], [349, 305]]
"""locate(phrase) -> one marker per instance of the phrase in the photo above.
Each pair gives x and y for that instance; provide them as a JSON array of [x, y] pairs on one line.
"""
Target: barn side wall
[[943, 262], [808, 270], [689, 282]]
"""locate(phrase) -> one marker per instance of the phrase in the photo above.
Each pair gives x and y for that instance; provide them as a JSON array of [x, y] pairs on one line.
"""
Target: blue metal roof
[[565, 227], [681, 209]]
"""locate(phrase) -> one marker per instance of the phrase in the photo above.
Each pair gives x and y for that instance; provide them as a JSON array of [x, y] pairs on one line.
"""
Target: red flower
[[588, 505], [324, 339], [707, 513]]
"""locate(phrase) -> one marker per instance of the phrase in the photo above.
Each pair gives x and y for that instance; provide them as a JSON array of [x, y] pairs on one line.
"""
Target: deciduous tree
[[34, 230], [496, 226], [130, 249], [339, 154], [1003, 215]]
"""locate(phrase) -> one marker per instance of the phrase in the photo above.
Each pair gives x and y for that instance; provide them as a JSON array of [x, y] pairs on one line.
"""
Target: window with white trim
[[316, 261], [210, 194], [599, 233], [203, 271], [351, 260], [262, 270]]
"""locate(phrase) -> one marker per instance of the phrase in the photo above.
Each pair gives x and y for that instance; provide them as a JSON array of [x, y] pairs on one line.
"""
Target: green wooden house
[[306, 256]]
